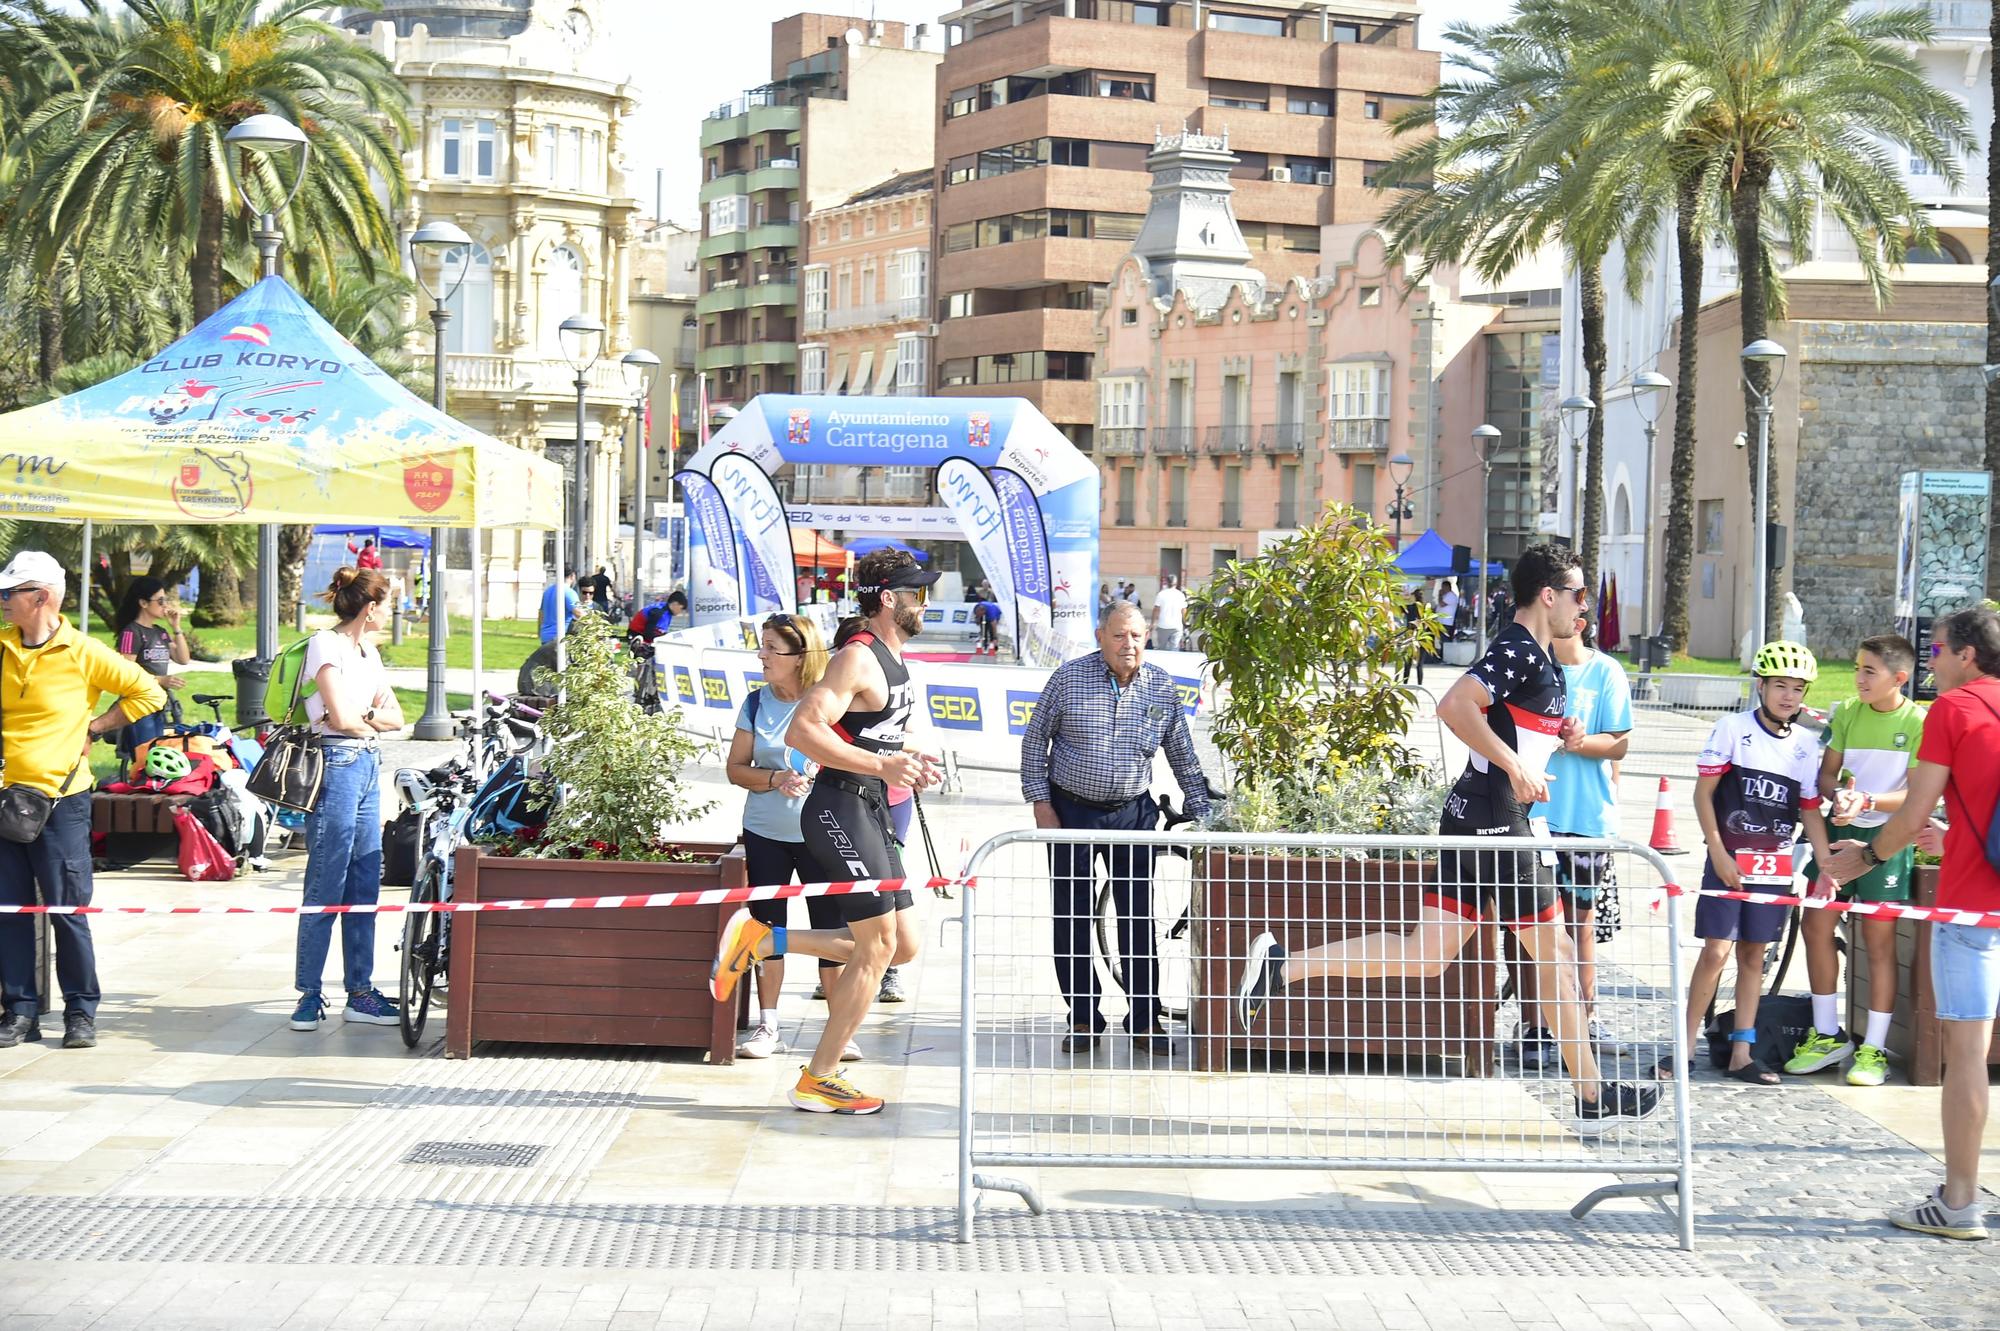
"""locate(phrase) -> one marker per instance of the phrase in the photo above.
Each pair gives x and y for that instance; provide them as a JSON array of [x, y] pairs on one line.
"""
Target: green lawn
[[1835, 682], [508, 642]]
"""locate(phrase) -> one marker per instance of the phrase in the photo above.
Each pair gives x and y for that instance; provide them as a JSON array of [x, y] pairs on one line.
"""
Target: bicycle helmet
[[164, 764], [1789, 659]]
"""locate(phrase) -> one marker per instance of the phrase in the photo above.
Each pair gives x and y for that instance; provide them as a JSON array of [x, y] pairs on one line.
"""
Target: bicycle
[[1173, 899], [645, 675], [456, 806]]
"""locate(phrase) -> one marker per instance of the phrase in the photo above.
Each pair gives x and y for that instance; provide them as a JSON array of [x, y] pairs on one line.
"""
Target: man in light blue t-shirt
[[1583, 802], [570, 605]]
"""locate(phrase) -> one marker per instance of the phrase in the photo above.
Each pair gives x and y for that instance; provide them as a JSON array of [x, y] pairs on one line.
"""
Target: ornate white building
[[519, 108]]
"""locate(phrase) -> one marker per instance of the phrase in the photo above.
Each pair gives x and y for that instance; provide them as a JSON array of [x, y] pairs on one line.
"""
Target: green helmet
[[1790, 659], [166, 764]]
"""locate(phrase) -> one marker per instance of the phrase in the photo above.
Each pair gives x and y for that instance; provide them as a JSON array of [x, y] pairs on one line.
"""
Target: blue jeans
[[1965, 971], [58, 859], [343, 867]]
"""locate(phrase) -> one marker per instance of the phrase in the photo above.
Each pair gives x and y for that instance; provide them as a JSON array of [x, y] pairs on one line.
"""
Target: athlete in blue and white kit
[[1509, 711]]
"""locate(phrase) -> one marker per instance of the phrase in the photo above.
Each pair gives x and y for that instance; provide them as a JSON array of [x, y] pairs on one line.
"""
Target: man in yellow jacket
[[50, 678]]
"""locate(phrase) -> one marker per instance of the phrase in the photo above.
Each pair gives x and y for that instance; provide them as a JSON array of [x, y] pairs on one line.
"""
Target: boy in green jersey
[[1873, 737]]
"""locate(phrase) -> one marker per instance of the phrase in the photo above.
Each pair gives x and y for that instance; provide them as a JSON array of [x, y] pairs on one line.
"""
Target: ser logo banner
[[684, 684], [1190, 692], [1020, 710], [715, 688], [953, 707]]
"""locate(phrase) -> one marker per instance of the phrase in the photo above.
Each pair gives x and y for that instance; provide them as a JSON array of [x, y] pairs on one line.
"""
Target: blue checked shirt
[[1097, 741]]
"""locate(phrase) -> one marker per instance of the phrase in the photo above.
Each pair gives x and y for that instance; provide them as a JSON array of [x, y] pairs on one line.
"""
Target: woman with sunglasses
[[777, 779], [156, 647]]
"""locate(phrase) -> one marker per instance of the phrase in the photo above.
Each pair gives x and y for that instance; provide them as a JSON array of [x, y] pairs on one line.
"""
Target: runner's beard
[[909, 621]]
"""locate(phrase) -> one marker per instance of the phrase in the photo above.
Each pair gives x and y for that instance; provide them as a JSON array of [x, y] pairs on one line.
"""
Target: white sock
[[1878, 1028], [1826, 1013], [769, 1016]]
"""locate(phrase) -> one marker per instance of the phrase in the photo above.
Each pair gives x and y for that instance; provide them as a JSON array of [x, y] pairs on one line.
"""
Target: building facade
[[1231, 409], [1049, 109], [518, 141], [1640, 332], [665, 276], [848, 106]]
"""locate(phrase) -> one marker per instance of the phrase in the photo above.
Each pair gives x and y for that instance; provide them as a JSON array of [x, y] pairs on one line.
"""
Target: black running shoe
[[1263, 976], [1615, 1100]]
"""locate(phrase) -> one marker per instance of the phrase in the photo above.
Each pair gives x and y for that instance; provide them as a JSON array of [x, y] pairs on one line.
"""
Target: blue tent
[[388, 538], [1429, 556]]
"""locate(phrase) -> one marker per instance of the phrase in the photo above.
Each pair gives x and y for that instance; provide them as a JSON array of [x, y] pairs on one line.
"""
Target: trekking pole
[[930, 847]]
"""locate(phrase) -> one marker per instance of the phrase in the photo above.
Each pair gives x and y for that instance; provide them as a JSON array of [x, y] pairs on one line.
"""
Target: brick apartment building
[[848, 106], [1047, 112], [1232, 407]]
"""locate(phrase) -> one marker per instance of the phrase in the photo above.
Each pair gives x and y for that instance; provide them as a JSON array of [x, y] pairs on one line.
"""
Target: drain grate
[[504, 1155]]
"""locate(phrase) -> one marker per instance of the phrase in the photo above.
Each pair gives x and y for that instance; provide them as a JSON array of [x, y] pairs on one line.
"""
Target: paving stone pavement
[[191, 1177]]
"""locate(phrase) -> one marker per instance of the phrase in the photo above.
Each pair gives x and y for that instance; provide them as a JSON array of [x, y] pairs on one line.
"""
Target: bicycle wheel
[[423, 958]]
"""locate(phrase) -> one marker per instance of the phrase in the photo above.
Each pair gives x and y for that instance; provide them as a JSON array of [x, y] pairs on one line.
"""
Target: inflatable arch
[[1022, 494]]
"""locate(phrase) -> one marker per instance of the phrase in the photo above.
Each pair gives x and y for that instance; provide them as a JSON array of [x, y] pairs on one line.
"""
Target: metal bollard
[[299, 615], [396, 626]]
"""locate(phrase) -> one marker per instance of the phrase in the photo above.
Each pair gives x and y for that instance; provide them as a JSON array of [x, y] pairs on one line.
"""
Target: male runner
[[851, 723], [1509, 711]]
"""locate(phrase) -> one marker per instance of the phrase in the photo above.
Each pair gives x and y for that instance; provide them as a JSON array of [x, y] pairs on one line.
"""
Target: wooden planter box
[[1916, 1038], [1310, 901], [634, 977]]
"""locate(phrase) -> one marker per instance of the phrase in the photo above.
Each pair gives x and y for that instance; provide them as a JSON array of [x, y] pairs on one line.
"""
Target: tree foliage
[[1306, 640]]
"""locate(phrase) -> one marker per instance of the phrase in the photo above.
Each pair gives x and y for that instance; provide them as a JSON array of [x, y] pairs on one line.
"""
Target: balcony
[[1120, 441], [1232, 513], [779, 173], [747, 353], [1227, 440], [1288, 514], [1276, 440], [1177, 514], [770, 235], [1360, 435], [1953, 21], [756, 112], [520, 376], [736, 296], [1125, 514], [813, 320], [1173, 441], [863, 316]]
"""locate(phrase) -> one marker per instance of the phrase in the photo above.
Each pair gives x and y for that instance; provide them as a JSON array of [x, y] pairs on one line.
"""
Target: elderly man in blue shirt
[[1087, 762]]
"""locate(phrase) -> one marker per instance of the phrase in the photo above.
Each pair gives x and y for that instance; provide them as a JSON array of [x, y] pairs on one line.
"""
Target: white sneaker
[[851, 1054], [1605, 1042], [760, 1043]]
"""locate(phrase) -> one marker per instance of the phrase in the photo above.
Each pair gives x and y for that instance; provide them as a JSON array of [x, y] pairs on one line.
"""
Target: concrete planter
[[629, 977], [1916, 1038]]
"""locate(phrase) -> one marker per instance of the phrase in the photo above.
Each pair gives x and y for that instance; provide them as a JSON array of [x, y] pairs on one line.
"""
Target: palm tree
[[1777, 111], [132, 149], [1507, 175]]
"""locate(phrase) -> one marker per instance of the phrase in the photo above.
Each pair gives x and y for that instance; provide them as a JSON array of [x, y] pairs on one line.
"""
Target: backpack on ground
[[285, 671], [1782, 1021], [219, 811]]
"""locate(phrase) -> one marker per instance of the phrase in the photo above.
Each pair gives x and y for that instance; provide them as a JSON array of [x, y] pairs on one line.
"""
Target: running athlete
[[852, 723], [1509, 711]]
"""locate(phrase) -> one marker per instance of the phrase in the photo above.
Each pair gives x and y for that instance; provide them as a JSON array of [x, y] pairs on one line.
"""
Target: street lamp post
[[1648, 390], [639, 367], [1576, 413], [582, 339], [268, 135], [1770, 355], [1485, 438], [434, 244], [1400, 468]]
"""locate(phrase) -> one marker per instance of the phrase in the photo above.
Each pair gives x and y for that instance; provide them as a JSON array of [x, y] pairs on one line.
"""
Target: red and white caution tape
[[713, 896], [1896, 910]]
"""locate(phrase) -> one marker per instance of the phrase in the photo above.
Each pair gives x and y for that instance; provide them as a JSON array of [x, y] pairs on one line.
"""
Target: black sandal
[[1664, 1069], [1752, 1075]]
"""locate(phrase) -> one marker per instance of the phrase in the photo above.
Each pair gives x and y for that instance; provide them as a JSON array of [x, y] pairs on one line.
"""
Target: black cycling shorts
[[1470, 881], [848, 837]]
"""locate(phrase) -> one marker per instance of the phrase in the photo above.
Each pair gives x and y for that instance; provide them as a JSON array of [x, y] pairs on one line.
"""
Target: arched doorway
[[470, 332], [562, 295]]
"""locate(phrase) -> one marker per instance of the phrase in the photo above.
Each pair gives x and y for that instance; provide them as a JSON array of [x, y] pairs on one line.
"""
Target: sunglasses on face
[[1937, 650], [1580, 592], [7, 593]]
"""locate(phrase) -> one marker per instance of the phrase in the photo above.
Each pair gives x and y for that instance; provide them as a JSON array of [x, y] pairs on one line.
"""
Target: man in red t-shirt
[[1955, 761]]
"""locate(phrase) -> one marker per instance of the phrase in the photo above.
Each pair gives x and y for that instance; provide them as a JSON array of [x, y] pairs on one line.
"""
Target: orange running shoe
[[745, 942], [831, 1095]]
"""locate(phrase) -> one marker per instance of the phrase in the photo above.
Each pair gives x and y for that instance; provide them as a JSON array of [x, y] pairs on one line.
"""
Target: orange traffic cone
[[1663, 825]]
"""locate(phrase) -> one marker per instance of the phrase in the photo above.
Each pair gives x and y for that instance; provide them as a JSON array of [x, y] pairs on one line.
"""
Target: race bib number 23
[[1765, 868]]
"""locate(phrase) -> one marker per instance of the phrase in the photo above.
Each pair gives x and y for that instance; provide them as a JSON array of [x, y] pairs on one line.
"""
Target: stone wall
[[1875, 400]]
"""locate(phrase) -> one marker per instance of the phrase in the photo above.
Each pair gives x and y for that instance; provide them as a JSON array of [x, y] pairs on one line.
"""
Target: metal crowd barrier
[[1419, 1070], [1692, 693]]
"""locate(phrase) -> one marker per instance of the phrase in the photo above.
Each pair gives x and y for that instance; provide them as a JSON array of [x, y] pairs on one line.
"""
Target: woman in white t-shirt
[[351, 705]]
